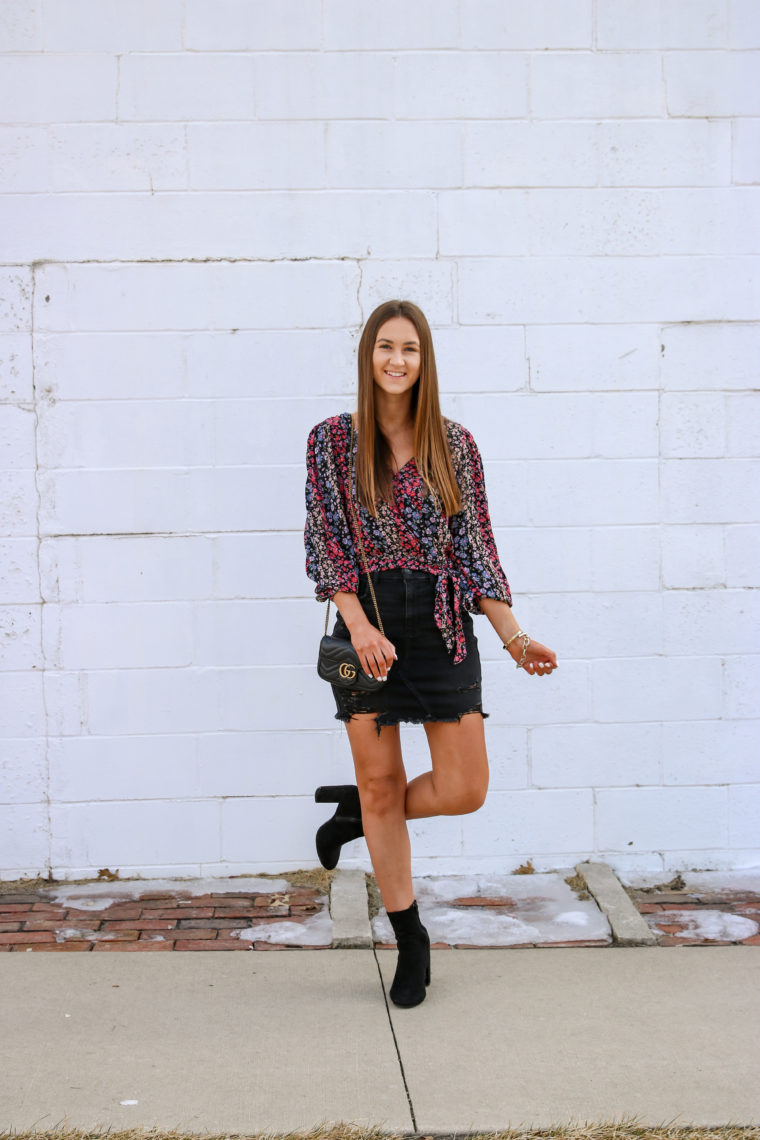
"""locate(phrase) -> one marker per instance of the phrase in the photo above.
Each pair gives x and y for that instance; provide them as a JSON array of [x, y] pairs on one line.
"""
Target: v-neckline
[[403, 465], [352, 429]]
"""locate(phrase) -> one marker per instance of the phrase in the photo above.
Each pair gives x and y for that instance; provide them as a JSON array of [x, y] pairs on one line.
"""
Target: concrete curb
[[627, 925], [349, 911]]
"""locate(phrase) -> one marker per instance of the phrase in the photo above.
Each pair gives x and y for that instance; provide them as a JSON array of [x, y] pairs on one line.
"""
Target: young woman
[[419, 500]]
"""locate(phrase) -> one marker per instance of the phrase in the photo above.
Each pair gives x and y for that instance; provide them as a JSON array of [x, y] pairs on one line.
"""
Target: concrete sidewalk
[[241, 1042]]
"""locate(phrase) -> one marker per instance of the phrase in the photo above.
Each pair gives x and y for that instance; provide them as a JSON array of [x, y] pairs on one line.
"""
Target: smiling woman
[[401, 486]]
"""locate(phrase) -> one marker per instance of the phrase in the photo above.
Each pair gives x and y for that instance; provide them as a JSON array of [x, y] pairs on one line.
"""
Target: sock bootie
[[345, 824], [413, 969]]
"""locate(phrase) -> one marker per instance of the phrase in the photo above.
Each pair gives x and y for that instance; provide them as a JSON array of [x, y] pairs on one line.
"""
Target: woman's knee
[[382, 794], [462, 800], [461, 795]]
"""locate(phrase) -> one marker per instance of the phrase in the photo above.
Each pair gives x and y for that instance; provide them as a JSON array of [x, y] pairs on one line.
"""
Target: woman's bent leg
[[381, 780], [458, 781]]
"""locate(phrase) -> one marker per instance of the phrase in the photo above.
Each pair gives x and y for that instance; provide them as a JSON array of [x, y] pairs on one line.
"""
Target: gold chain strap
[[358, 534]]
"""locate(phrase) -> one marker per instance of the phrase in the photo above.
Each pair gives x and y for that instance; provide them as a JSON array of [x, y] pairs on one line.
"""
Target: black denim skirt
[[424, 684]]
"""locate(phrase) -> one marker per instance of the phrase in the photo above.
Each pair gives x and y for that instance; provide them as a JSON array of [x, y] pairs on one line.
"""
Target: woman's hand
[[539, 661], [376, 653]]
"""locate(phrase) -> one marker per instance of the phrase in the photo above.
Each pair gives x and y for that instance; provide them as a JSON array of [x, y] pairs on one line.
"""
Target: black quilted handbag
[[338, 662]]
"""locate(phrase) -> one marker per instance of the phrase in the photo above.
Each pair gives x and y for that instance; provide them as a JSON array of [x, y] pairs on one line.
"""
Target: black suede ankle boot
[[413, 969], [345, 824]]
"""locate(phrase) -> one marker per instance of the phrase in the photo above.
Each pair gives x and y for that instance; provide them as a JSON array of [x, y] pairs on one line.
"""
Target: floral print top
[[412, 531]]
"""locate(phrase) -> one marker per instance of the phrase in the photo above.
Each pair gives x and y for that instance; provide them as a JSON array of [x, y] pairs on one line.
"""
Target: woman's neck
[[393, 413]]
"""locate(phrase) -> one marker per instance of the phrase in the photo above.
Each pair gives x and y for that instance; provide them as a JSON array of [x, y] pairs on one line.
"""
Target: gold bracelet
[[526, 643], [512, 638]]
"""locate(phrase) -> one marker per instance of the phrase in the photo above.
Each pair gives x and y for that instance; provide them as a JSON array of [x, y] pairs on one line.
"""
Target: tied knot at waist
[[447, 608], [448, 612]]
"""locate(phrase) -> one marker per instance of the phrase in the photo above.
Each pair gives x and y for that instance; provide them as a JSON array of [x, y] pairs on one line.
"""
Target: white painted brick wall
[[201, 205]]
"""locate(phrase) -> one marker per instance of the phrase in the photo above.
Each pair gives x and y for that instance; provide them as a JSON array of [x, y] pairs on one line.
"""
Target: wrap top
[[412, 531]]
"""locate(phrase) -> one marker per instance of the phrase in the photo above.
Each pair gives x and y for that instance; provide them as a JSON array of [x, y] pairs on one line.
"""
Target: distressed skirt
[[423, 684]]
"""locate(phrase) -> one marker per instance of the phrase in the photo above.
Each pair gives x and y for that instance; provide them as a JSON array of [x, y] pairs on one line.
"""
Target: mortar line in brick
[[38, 536], [117, 88]]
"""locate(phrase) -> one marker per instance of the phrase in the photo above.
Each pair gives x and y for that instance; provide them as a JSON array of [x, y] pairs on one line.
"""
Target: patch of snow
[[315, 931], [62, 933], [700, 924], [448, 887], [573, 918], [129, 1102], [541, 908], [97, 896], [474, 926], [722, 881]]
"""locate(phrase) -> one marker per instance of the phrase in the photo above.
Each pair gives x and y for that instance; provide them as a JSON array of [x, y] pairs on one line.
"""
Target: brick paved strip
[[57, 947], [183, 913], [225, 900], [61, 924], [177, 933], [245, 912], [124, 947], [141, 924], [577, 942], [115, 935], [32, 936], [282, 946], [215, 944], [478, 946], [209, 924], [118, 912]]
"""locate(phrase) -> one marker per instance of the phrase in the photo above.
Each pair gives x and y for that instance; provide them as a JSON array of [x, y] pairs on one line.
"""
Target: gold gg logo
[[347, 671]]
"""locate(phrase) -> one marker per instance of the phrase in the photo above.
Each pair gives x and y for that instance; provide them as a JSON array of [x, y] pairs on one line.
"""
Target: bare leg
[[456, 785], [381, 779]]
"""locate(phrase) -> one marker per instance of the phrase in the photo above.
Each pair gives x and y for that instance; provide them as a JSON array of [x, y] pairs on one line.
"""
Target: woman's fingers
[[541, 661], [377, 658]]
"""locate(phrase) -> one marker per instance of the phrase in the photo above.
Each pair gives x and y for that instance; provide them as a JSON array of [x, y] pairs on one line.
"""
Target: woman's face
[[396, 356]]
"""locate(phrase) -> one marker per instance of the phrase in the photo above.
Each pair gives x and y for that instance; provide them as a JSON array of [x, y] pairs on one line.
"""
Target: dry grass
[[317, 878], [525, 868], [626, 1129], [577, 883], [30, 886], [675, 884]]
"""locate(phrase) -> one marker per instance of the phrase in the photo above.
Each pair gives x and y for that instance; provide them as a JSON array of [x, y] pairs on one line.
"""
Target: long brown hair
[[374, 478]]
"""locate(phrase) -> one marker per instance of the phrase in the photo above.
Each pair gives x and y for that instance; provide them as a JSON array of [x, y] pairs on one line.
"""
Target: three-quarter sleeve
[[475, 554], [330, 555]]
